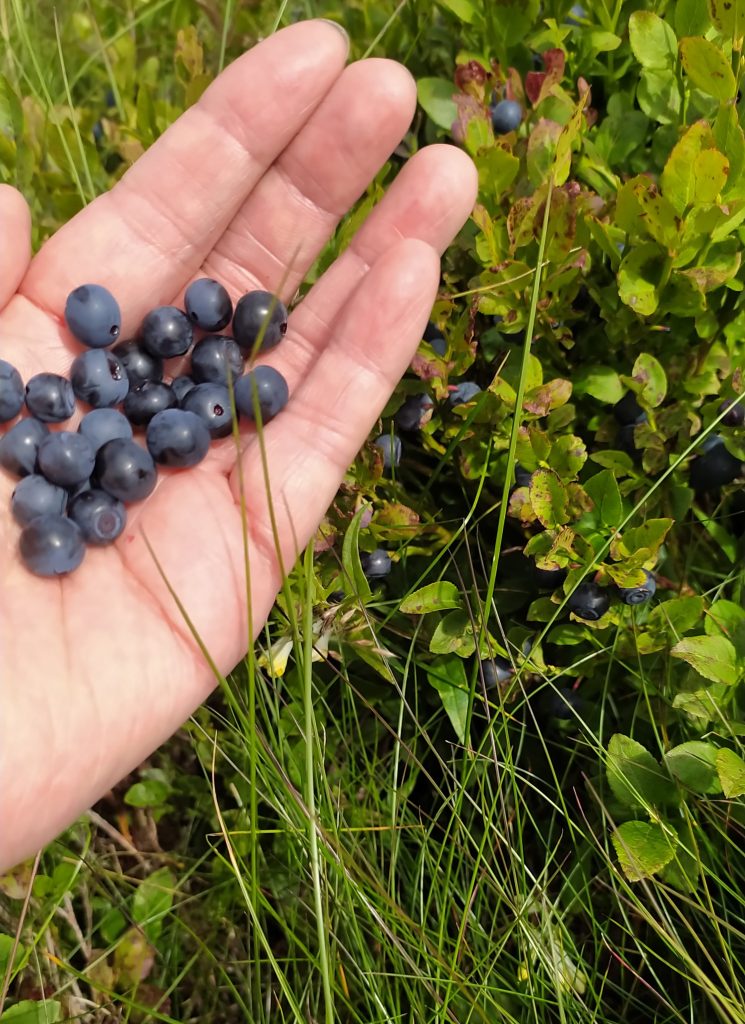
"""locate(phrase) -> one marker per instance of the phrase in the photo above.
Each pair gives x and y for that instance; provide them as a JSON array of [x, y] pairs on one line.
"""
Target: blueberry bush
[[523, 628]]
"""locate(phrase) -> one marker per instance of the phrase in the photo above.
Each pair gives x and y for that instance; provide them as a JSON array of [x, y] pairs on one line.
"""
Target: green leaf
[[694, 765], [648, 372], [567, 456], [350, 558], [28, 1011], [548, 497], [642, 849], [6, 947], [725, 618], [448, 677], [453, 635], [152, 900], [606, 497], [639, 278], [711, 171], [731, 769], [677, 615], [691, 18], [713, 657], [729, 17], [684, 869], [434, 597], [436, 97], [652, 40], [659, 95], [462, 9], [678, 178], [637, 780], [730, 140], [708, 68], [147, 793], [601, 382]]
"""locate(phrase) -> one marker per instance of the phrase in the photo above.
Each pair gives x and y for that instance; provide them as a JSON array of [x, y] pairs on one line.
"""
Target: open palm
[[99, 667]]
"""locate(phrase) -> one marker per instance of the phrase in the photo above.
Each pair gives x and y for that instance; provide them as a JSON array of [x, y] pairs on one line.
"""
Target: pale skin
[[98, 668]]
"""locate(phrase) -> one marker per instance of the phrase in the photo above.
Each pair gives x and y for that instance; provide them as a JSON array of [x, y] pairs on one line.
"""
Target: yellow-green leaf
[[713, 657], [678, 179], [707, 68], [642, 849], [731, 770], [548, 498], [434, 597]]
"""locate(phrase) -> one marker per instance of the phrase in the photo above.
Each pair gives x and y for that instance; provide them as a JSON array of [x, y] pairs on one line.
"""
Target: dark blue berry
[[92, 314], [35, 496], [733, 417], [436, 339], [139, 364], [20, 446], [413, 412], [259, 314], [167, 332], [50, 398], [463, 392], [51, 545], [564, 704], [390, 446], [181, 386], [66, 458], [576, 15], [213, 357], [628, 412], [208, 304], [211, 403], [101, 517], [11, 392], [641, 594], [523, 476], [549, 579], [375, 564], [715, 467], [99, 379], [497, 671], [102, 425], [271, 388], [506, 116], [143, 402], [177, 438], [589, 601], [125, 470]]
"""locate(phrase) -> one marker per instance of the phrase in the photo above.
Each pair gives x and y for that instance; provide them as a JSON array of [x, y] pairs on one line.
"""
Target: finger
[[430, 200], [293, 211], [152, 231], [314, 440], [15, 249]]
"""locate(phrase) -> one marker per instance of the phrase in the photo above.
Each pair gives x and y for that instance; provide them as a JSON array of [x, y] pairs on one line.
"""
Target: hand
[[99, 668]]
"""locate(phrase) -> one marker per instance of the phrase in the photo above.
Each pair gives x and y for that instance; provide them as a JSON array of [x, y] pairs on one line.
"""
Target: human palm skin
[[99, 667]]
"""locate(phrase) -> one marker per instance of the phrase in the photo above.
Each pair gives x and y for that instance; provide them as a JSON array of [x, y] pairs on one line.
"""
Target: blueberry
[[497, 671], [11, 392], [336, 597], [101, 517], [166, 332], [181, 386], [177, 438], [92, 314], [506, 116], [208, 304], [271, 389], [627, 441], [99, 379], [390, 446], [66, 458], [140, 365], [144, 401], [102, 425], [213, 357], [411, 414], [715, 467], [589, 601], [259, 314], [549, 579], [734, 416], [376, 564], [463, 392], [641, 594], [628, 412], [35, 496], [576, 15], [125, 470], [436, 339], [20, 446], [97, 133], [563, 704], [523, 476], [50, 398], [51, 545], [211, 403]]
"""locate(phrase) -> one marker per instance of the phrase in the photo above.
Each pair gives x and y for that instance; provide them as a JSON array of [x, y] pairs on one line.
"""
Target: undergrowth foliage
[[557, 840]]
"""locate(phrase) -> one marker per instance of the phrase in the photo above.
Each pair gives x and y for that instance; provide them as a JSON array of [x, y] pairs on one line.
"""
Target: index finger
[[151, 232]]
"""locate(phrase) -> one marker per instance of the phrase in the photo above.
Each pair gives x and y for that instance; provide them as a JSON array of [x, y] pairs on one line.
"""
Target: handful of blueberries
[[74, 486]]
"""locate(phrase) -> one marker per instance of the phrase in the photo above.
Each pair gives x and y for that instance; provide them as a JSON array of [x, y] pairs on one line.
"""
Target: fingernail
[[339, 28]]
